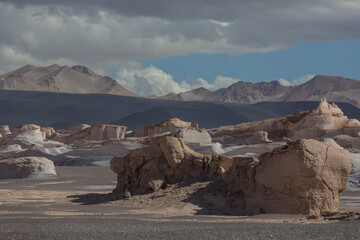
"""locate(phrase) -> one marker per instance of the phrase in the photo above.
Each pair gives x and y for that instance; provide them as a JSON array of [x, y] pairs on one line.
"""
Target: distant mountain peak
[[56, 78], [84, 70]]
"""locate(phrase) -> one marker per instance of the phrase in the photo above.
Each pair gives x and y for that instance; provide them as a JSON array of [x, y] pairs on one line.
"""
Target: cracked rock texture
[[303, 177], [166, 161]]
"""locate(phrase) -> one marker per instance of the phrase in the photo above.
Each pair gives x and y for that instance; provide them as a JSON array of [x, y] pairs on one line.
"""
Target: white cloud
[[284, 82], [221, 82], [296, 81], [148, 81], [12, 58], [109, 34], [302, 79], [154, 81]]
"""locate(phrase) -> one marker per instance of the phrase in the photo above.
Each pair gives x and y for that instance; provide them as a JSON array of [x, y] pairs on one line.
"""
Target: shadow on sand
[[95, 198], [210, 197]]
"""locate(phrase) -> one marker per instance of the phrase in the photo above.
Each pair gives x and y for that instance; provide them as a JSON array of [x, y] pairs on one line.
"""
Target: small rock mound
[[26, 167], [172, 125]]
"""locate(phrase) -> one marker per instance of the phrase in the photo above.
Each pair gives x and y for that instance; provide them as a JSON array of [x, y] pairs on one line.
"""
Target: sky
[[161, 46]]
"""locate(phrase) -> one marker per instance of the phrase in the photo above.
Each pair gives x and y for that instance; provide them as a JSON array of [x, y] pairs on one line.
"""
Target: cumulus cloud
[[148, 81], [302, 79], [296, 81], [153, 81], [284, 82], [109, 34]]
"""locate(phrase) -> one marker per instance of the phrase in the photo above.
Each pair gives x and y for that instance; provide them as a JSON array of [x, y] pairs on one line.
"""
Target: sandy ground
[[84, 193]]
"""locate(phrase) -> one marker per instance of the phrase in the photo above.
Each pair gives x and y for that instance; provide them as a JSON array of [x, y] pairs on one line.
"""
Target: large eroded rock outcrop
[[303, 177], [167, 161], [26, 167]]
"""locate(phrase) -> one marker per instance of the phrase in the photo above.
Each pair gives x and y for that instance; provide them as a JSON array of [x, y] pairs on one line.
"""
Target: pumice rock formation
[[303, 177], [172, 125], [167, 161], [327, 117], [47, 132], [87, 132], [26, 167]]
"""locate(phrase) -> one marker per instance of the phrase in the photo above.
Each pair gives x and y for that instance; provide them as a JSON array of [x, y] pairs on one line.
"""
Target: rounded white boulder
[[26, 167]]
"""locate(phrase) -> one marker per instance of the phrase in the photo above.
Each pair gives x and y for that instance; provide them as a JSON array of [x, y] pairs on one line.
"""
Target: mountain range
[[334, 88], [80, 79]]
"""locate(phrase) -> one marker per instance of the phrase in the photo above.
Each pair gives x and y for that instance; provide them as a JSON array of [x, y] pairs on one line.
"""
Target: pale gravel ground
[[78, 205]]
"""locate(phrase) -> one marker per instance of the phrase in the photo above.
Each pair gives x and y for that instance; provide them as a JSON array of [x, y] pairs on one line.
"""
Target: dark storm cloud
[[109, 33]]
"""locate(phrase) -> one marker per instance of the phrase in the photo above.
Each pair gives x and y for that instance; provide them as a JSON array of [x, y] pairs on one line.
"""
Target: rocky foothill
[[296, 164]]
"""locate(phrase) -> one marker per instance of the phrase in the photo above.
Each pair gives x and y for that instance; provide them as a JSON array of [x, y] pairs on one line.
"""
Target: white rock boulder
[[26, 167]]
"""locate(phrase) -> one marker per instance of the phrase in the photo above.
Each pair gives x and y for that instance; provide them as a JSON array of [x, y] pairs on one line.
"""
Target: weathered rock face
[[86, 132], [26, 167], [47, 132], [102, 132], [304, 177], [172, 125], [327, 117], [167, 160], [190, 135], [4, 130]]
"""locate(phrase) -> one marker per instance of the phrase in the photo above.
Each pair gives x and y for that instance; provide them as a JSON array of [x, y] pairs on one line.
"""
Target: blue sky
[[326, 58]]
